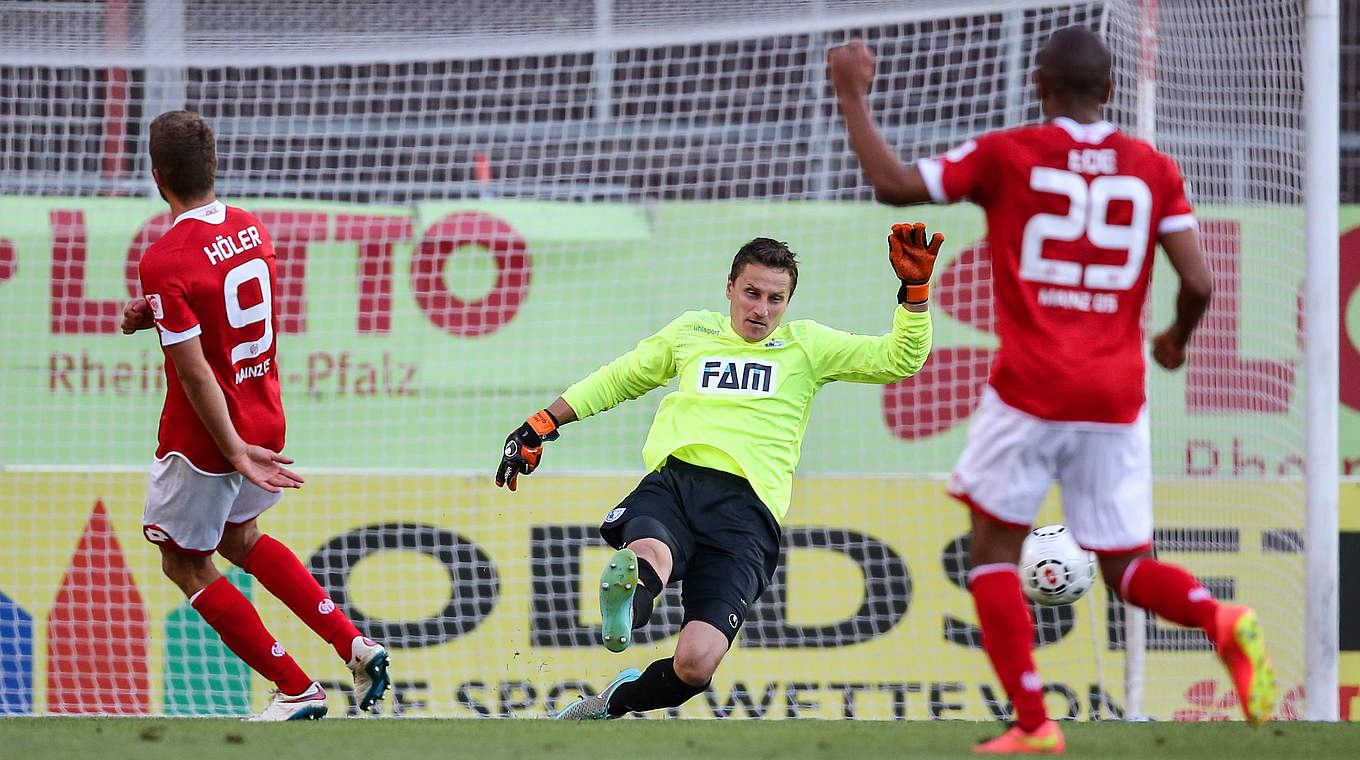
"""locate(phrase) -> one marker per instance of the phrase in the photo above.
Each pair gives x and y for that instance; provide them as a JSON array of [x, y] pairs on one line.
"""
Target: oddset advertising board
[[412, 339]]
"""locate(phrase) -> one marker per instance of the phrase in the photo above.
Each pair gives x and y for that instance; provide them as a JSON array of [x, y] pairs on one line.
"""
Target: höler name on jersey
[[226, 246], [746, 376]]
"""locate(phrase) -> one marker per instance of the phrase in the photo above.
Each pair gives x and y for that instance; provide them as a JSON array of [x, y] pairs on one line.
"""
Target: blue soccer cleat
[[618, 583], [597, 707]]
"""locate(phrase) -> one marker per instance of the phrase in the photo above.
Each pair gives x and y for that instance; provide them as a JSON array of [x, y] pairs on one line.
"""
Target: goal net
[[475, 204]]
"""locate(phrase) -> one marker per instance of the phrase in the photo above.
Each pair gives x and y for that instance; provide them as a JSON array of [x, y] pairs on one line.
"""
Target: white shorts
[[188, 509], [1104, 472]]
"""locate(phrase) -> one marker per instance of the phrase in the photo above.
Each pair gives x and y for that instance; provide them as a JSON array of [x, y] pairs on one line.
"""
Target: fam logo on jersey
[[614, 514], [744, 376], [154, 301]]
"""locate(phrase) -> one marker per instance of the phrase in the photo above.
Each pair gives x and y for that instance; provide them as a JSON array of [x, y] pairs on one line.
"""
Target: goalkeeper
[[721, 455]]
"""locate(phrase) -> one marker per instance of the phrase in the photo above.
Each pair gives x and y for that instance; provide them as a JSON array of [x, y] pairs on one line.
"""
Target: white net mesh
[[474, 205]]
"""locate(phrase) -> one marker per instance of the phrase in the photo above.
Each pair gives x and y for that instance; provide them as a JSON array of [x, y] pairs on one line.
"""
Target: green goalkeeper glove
[[524, 448]]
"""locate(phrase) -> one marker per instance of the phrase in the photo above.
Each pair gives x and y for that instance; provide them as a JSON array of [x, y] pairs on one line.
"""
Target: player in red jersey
[[208, 291], [1074, 211]]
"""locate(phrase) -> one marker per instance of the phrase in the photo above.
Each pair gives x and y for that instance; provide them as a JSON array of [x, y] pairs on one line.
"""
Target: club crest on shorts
[[615, 514]]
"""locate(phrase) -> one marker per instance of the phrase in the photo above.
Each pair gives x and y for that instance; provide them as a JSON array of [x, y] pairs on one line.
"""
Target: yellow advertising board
[[487, 598]]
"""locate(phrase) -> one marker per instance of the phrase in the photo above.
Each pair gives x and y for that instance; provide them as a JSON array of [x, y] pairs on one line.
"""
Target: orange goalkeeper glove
[[524, 448], [913, 260]]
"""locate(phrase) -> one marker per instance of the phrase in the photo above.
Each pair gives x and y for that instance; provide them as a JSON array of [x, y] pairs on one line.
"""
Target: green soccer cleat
[[618, 582], [597, 707]]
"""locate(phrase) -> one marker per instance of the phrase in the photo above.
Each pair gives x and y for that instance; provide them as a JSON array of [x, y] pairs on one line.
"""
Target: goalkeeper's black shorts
[[723, 540]]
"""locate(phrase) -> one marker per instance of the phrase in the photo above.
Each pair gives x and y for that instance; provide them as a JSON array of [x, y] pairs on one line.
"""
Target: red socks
[[280, 571], [1008, 631], [231, 614], [1007, 637], [1169, 592]]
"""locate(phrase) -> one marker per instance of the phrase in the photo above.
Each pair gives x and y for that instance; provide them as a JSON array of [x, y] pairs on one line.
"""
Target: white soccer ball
[[1054, 570]]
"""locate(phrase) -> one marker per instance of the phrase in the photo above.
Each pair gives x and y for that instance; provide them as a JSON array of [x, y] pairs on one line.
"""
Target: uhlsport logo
[[733, 620], [744, 376]]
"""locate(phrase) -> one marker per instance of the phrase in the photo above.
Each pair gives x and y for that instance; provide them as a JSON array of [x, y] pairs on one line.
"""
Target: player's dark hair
[[767, 252], [1074, 62], [184, 153]]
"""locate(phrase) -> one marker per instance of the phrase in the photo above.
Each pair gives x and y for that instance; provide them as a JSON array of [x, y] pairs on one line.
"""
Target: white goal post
[[477, 203]]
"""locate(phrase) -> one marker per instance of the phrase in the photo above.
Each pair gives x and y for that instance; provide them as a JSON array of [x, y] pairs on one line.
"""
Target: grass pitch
[[407, 739]]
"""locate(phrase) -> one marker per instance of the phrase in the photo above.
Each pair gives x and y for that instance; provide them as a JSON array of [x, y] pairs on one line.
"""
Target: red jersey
[[211, 277], [1074, 212]]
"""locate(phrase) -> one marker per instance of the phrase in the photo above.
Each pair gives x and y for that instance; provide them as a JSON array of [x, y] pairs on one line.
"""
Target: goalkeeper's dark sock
[[1169, 592], [1007, 638], [644, 596], [658, 687]]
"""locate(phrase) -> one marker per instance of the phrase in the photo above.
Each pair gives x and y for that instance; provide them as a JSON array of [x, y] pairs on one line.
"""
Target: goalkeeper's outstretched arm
[[647, 366], [524, 447]]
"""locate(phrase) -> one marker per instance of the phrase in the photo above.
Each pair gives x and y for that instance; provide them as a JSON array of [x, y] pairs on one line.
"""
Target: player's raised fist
[[850, 67], [524, 448]]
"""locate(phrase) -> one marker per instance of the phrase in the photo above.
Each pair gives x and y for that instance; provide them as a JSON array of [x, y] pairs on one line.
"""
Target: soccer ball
[[1054, 570]]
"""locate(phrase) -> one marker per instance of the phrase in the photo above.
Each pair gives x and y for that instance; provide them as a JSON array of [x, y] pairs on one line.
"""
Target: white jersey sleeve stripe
[[1176, 223], [933, 174], [171, 338]]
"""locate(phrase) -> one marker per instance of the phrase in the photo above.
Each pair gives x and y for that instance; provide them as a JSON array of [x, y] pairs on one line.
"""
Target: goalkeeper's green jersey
[[742, 407]]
